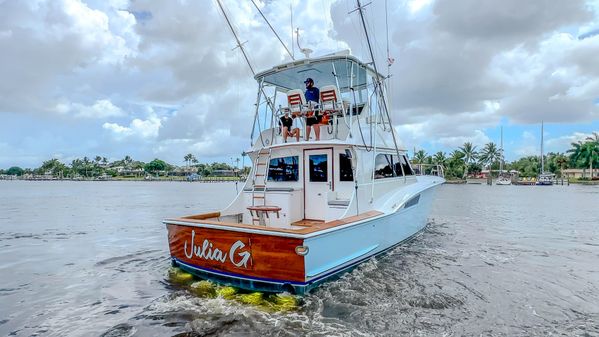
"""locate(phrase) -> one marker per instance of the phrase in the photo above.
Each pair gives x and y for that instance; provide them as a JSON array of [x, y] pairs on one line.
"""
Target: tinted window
[[345, 171], [406, 165], [382, 166], [400, 163], [318, 168], [283, 169]]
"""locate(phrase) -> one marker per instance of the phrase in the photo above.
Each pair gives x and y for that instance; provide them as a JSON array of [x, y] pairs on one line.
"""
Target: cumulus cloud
[[563, 143], [100, 109], [147, 128], [47, 49]]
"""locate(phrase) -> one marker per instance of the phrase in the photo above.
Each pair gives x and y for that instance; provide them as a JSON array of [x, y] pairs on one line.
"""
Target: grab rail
[[429, 169]]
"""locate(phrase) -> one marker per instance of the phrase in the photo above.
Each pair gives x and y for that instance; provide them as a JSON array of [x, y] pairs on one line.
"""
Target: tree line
[[128, 167], [467, 160]]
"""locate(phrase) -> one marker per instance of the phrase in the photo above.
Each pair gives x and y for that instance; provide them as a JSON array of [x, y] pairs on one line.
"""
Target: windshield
[[344, 73]]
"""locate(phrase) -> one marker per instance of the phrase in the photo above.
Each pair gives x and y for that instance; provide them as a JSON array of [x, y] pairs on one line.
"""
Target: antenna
[[306, 51], [273, 30], [292, 46]]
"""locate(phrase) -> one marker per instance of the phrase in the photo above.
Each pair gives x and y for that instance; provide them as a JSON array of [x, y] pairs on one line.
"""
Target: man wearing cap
[[313, 119]]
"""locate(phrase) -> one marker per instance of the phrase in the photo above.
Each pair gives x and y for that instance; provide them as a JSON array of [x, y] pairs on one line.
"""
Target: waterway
[[91, 259]]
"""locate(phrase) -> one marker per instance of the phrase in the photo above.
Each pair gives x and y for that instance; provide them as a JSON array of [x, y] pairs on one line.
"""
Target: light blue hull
[[337, 251]]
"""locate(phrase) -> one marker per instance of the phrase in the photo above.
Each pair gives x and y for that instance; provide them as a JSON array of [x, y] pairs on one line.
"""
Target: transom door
[[318, 181]]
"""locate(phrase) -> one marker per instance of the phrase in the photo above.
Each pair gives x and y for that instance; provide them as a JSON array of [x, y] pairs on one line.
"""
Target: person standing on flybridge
[[313, 119]]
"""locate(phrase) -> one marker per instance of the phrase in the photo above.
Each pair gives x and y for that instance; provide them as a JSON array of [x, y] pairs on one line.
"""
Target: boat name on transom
[[207, 251]]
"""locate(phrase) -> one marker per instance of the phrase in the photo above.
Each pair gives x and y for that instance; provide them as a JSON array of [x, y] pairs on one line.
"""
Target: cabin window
[[402, 162], [318, 168], [406, 165], [345, 171], [283, 169], [383, 166]]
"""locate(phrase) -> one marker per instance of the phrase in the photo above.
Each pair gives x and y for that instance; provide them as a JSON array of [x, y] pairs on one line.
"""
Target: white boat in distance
[[503, 180], [310, 209]]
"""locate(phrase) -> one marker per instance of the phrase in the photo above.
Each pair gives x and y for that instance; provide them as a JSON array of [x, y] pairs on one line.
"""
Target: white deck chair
[[330, 99], [296, 100]]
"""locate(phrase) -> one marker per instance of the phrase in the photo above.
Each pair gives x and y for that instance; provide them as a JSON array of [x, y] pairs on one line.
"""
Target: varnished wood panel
[[270, 256]]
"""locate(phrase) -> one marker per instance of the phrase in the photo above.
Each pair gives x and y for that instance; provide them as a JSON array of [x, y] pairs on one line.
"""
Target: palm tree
[[470, 155], [490, 155], [561, 160], [187, 159], [590, 153], [420, 157], [439, 158], [592, 146], [585, 154], [86, 164], [127, 161]]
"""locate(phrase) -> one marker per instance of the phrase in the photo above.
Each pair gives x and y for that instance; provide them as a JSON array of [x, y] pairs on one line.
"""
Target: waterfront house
[[580, 173]]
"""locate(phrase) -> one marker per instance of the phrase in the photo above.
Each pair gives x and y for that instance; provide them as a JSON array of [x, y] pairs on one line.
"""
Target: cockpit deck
[[232, 223]]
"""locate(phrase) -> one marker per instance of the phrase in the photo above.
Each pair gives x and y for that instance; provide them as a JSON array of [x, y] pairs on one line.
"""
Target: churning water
[[91, 259]]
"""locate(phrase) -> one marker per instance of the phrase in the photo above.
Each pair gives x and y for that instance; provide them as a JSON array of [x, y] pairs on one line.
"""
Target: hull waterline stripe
[[237, 276]]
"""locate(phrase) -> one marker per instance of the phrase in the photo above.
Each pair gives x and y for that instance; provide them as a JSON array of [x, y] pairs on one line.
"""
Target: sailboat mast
[[501, 162], [542, 160]]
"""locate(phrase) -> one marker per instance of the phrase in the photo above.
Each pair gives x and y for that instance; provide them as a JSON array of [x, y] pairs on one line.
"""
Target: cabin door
[[318, 181]]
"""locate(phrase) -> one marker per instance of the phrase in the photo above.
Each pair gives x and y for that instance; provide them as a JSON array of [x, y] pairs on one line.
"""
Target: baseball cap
[[308, 80]]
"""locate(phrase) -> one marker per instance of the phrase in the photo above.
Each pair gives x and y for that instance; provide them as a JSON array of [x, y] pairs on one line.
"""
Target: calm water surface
[[91, 259]]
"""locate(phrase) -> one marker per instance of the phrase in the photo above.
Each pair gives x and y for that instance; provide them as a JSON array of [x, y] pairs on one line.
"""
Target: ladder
[[260, 177]]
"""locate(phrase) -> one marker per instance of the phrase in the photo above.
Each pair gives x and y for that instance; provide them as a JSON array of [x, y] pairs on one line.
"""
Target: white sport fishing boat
[[311, 209]]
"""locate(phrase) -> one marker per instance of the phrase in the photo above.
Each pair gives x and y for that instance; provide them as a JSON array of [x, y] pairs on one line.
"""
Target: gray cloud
[[462, 67]]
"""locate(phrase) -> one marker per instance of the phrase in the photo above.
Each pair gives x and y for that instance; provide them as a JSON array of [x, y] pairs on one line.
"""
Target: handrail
[[429, 169]]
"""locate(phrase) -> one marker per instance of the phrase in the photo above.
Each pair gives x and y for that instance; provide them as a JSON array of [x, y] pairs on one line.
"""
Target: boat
[[544, 178], [311, 210], [503, 180]]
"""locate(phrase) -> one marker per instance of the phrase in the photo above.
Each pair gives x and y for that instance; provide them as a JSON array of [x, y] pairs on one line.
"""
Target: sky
[[160, 79]]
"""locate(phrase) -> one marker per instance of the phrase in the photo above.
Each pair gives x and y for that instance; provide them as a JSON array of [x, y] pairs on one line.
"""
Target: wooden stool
[[262, 212]]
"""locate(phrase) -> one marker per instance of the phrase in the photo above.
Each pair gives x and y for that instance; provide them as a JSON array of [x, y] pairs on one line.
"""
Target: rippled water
[[91, 258]]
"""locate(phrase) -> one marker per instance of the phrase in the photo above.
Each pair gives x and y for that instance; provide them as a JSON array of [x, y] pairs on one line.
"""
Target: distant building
[[224, 173], [580, 173]]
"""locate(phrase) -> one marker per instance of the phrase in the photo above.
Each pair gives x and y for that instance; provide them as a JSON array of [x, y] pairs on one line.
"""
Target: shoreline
[[213, 180]]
